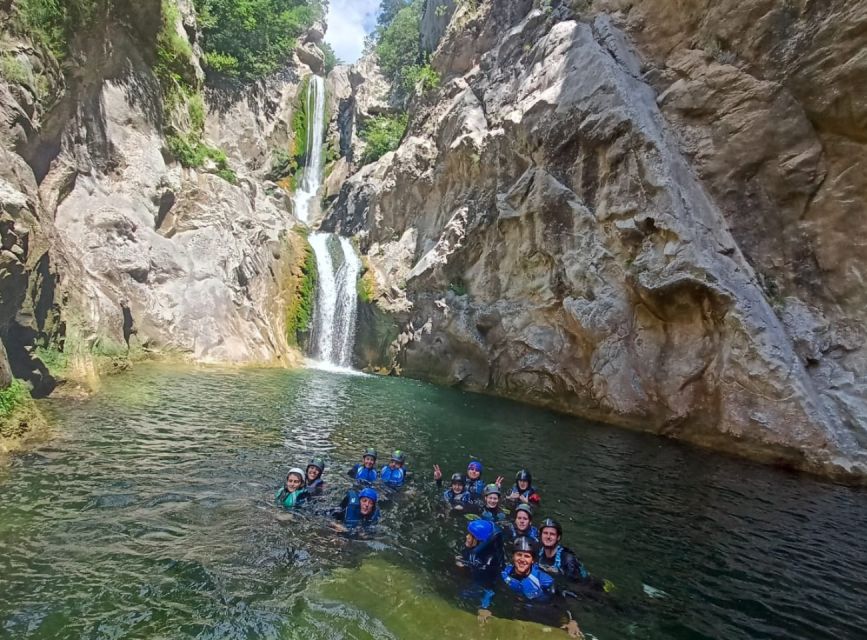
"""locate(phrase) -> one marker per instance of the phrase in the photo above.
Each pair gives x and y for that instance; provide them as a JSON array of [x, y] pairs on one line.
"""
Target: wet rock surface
[[609, 219]]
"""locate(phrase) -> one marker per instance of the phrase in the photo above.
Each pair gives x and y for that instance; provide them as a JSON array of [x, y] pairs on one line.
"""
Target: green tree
[[388, 9], [252, 38], [331, 60], [381, 135], [398, 46]]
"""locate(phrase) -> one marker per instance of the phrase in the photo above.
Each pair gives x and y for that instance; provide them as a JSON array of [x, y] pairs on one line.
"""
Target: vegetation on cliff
[[53, 23], [248, 39], [299, 311], [382, 134], [397, 41]]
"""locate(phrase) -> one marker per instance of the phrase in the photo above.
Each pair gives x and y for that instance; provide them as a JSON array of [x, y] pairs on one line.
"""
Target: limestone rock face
[[358, 93], [575, 212], [105, 237]]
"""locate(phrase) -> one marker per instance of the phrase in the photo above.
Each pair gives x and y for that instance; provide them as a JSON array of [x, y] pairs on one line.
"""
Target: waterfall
[[308, 188], [336, 299], [337, 264]]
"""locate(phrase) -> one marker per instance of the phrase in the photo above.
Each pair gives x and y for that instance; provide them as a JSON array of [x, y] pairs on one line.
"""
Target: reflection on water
[[151, 516]]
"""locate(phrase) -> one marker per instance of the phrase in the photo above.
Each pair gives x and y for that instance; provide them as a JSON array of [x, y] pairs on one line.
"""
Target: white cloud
[[348, 22]]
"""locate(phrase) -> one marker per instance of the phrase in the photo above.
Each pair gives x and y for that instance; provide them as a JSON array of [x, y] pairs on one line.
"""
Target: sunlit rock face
[[606, 213], [106, 239]]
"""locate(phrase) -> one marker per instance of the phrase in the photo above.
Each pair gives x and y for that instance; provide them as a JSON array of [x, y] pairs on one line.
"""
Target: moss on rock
[[301, 291], [19, 417]]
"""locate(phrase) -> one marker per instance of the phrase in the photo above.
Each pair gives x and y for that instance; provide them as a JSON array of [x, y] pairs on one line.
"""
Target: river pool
[[150, 515]]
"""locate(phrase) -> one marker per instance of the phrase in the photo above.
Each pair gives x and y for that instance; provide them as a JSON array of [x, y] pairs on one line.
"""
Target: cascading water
[[311, 179], [336, 299], [333, 335]]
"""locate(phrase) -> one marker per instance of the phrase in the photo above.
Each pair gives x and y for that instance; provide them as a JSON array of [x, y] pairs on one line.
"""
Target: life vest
[[557, 563], [457, 498], [292, 499], [393, 477], [530, 494], [493, 516], [485, 559], [533, 532], [475, 488], [534, 585], [352, 516], [364, 475]]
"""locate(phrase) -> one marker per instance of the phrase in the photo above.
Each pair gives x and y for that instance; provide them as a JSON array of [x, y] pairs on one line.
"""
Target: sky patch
[[349, 21]]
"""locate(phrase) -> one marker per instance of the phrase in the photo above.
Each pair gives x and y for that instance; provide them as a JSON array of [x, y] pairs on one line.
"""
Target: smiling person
[[532, 586], [358, 509], [315, 482], [522, 524], [393, 474], [491, 510], [475, 484], [365, 471], [292, 493], [523, 490], [456, 496]]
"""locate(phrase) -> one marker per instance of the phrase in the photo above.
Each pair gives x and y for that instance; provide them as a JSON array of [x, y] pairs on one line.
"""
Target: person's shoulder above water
[[365, 471]]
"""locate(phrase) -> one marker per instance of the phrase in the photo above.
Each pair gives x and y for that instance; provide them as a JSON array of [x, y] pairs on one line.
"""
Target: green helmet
[[525, 508], [491, 489], [369, 452], [398, 456], [319, 463]]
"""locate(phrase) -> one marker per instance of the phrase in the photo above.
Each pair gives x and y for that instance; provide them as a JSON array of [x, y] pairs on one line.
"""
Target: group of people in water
[[502, 544]]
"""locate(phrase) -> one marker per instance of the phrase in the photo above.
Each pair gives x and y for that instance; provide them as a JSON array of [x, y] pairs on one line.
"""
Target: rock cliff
[[647, 213], [109, 243]]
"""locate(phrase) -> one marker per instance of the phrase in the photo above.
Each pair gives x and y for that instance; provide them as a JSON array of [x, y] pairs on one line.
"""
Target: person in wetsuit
[[358, 510], [393, 474], [483, 552], [532, 586], [557, 559], [315, 482], [293, 493], [491, 509], [364, 472], [456, 496], [522, 524], [483, 556], [523, 490]]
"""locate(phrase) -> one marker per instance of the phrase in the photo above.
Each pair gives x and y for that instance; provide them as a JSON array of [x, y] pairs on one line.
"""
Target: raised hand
[[499, 481], [438, 473]]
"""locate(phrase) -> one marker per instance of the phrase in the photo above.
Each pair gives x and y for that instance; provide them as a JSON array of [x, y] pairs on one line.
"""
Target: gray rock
[[567, 254]]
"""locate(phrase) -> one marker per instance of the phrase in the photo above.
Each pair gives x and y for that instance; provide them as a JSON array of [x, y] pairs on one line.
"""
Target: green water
[[150, 515]]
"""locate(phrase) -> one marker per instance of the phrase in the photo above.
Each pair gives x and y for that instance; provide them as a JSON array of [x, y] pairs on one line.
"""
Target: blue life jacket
[[577, 567], [362, 474], [476, 488], [394, 478], [487, 514], [532, 533], [457, 498], [537, 584], [485, 559], [352, 516], [291, 499]]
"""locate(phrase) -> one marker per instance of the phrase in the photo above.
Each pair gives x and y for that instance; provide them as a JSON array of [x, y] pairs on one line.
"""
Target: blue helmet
[[369, 494], [475, 464], [481, 530]]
